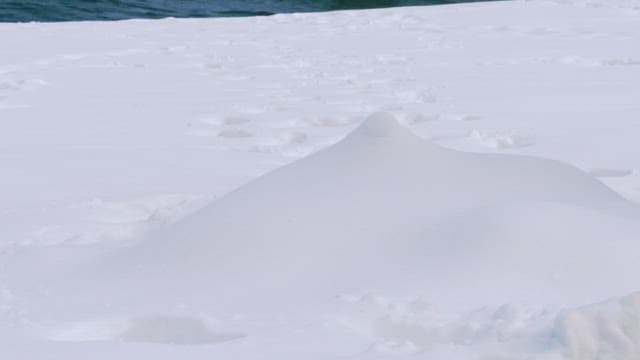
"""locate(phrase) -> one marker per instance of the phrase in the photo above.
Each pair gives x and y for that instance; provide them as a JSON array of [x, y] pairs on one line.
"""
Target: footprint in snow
[[234, 133], [501, 139], [11, 86], [290, 144], [223, 127], [224, 120], [620, 62], [417, 118], [410, 97], [330, 122]]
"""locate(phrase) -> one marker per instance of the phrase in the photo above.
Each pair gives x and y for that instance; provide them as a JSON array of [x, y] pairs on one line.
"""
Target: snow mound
[[390, 210], [608, 330]]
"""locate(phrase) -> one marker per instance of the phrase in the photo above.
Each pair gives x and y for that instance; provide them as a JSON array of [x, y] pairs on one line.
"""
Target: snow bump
[[380, 125]]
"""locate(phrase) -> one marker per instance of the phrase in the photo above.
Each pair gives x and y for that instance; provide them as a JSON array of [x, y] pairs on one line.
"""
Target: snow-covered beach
[[457, 182]]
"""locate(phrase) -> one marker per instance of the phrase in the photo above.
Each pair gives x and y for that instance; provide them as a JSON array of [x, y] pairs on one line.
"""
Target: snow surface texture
[[147, 212]]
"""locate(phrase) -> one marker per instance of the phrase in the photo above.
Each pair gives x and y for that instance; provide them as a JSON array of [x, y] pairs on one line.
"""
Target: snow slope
[[147, 212], [384, 205]]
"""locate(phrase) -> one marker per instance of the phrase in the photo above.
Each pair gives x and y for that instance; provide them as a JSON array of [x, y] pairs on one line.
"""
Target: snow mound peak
[[380, 125]]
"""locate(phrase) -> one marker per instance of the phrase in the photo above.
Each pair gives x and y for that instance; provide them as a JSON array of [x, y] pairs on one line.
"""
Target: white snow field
[[445, 182]]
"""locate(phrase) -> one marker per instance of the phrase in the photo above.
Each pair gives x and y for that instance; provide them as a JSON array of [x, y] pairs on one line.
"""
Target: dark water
[[74, 10]]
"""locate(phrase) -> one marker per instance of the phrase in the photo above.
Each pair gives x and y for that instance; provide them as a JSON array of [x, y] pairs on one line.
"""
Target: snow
[[432, 182], [608, 330]]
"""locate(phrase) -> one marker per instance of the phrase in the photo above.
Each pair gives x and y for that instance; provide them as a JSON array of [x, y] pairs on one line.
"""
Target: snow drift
[[387, 210]]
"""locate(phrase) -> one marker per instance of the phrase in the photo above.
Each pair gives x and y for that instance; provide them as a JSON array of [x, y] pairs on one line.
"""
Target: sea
[[78, 10]]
